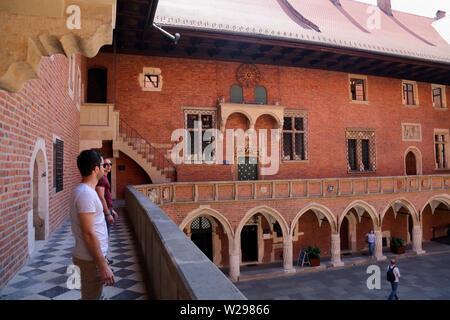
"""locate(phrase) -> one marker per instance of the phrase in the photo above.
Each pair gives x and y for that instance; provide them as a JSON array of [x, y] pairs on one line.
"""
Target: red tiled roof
[[348, 26]]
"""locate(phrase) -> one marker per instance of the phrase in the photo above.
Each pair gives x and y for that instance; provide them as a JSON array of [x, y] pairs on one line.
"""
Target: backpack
[[390, 274]]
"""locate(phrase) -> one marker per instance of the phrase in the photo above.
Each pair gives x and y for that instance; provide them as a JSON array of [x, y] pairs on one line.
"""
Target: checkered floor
[[46, 275]]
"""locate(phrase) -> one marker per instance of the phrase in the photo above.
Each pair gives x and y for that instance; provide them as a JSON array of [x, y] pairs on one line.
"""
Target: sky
[[427, 8]]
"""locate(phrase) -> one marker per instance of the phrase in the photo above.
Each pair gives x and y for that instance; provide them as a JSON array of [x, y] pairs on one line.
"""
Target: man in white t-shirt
[[89, 228]]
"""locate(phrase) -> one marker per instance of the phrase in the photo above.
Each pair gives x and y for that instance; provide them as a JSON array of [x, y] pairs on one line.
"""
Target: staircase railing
[[142, 146]]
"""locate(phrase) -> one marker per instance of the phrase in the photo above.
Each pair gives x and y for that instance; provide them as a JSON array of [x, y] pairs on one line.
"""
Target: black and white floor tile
[[46, 276]]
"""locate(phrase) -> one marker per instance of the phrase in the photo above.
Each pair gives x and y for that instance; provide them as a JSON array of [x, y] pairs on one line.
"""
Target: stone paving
[[46, 274], [424, 277]]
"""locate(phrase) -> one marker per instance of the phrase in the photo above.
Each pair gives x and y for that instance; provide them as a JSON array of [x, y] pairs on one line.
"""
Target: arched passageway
[[436, 219]]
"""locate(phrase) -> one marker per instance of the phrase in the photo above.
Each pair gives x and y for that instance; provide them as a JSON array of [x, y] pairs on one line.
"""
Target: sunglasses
[[106, 165]]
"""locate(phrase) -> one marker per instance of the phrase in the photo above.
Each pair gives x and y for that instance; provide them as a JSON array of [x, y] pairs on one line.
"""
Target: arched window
[[97, 80], [236, 94], [260, 95]]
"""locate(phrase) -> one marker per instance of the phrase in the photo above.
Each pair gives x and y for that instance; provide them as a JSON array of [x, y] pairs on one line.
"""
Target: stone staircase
[[158, 167]]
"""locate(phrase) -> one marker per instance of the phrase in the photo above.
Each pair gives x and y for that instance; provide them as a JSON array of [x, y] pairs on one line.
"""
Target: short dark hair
[[87, 160]]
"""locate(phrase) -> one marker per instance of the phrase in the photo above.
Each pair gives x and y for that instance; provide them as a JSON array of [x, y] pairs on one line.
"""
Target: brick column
[[378, 252], [234, 261], [287, 254], [417, 240], [336, 250]]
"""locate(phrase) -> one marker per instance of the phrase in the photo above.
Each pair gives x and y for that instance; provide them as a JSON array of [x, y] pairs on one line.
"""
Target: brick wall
[[41, 110], [324, 94]]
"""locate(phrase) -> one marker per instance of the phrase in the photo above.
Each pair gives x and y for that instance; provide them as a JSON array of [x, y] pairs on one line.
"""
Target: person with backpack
[[393, 275]]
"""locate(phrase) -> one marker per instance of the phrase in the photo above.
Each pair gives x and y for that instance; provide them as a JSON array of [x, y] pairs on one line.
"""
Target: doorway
[[201, 235], [97, 85], [249, 243], [247, 168], [411, 166]]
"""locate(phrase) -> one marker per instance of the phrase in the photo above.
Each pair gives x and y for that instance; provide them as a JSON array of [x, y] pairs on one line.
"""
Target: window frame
[[443, 156], [364, 79], [293, 132], [443, 96], [58, 165], [415, 94], [359, 135], [192, 157]]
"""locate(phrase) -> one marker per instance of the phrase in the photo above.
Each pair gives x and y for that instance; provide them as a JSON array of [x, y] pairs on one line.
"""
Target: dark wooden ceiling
[[134, 35]]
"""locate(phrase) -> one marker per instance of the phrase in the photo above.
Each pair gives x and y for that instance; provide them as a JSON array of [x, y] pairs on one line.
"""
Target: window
[[260, 95], [441, 148], [151, 81], [294, 137], [439, 97], [197, 122], [236, 94], [409, 93], [361, 154], [58, 157], [357, 89]]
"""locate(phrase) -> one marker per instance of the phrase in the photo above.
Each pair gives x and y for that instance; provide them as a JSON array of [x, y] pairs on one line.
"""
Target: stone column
[[287, 254], [378, 252], [234, 261], [336, 250], [417, 240]]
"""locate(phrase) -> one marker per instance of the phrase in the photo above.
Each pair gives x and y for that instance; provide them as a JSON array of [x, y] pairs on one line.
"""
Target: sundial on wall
[[248, 75]]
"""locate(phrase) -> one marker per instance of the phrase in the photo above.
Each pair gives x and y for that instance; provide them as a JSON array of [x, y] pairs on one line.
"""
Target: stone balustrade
[[216, 191], [176, 268]]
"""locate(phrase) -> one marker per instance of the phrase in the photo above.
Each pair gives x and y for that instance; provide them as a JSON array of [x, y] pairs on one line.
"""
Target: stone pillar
[[378, 251], [417, 240], [234, 261], [287, 254], [336, 250]]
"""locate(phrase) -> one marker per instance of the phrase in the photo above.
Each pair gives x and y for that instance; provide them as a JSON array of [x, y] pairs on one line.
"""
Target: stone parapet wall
[[177, 269]]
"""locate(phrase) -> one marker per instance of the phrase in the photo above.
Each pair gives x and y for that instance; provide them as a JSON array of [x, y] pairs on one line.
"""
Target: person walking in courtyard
[[103, 189], [89, 228], [393, 275], [371, 239]]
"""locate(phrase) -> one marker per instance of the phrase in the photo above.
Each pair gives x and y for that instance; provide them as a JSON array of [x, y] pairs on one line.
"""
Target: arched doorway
[[97, 85], [344, 234], [38, 216], [411, 165], [201, 235]]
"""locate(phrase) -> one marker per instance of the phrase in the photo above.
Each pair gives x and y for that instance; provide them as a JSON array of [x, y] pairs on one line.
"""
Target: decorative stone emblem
[[411, 132], [248, 75]]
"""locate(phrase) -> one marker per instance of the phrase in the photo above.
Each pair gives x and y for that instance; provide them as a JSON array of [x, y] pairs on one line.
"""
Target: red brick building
[[358, 96]]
